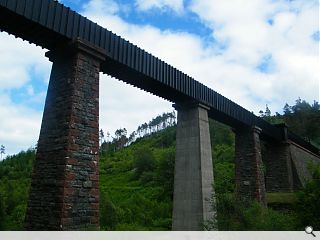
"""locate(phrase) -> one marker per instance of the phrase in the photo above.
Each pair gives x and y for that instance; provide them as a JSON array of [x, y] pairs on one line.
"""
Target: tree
[[165, 172], [108, 137], [267, 113], [2, 150], [120, 138], [286, 109], [315, 106], [2, 212], [132, 137], [101, 136], [144, 161], [261, 113]]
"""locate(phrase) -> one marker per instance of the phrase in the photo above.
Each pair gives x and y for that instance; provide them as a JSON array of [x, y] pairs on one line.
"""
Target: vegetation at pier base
[[136, 179]]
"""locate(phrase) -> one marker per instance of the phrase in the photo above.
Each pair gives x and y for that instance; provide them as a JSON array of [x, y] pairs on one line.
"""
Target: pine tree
[[261, 113], [287, 109], [2, 150], [267, 113], [101, 136]]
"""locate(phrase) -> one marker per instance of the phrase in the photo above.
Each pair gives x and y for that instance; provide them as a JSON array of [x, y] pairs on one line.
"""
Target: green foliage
[[144, 164], [2, 212], [108, 213], [233, 215], [223, 153], [165, 172], [309, 200], [136, 180], [220, 133], [224, 177], [281, 198], [302, 118], [223, 159], [136, 184], [15, 174]]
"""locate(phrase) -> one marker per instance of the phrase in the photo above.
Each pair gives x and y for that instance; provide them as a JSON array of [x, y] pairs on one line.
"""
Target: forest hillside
[[136, 178]]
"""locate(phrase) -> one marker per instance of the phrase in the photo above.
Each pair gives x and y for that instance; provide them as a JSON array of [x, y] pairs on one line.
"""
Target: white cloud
[[145, 5], [250, 38], [102, 7], [17, 60], [122, 105], [241, 25], [244, 26], [20, 125]]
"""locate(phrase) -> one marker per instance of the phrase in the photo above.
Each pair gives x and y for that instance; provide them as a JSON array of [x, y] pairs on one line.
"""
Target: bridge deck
[[49, 24]]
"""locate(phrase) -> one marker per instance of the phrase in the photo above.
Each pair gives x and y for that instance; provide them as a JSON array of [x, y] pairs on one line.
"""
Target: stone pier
[[279, 174], [250, 182], [193, 179], [64, 191]]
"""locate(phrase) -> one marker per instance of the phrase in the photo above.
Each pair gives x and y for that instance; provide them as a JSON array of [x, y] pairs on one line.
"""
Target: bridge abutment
[[193, 191], [64, 192], [250, 183]]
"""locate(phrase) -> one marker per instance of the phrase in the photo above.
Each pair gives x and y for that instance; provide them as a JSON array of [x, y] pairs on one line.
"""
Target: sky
[[253, 52]]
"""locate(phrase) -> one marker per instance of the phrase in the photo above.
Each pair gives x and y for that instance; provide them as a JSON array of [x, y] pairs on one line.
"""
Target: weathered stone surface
[[193, 179], [250, 182], [67, 154], [287, 164], [279, 174], [301, 158]]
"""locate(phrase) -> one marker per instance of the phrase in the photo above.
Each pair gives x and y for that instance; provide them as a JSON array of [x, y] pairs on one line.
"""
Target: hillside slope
[[136, 181]]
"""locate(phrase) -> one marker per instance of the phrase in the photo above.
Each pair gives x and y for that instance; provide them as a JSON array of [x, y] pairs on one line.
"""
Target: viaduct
[[64, 191]]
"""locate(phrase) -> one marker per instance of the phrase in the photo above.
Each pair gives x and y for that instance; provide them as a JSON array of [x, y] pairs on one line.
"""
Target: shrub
[[308, 203], [234, 215], [144, 161]]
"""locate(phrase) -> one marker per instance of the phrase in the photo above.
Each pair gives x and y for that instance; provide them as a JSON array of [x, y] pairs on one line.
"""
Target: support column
[[193, 192], [279, 176], [64, 191], [250, 182], [279, 172]]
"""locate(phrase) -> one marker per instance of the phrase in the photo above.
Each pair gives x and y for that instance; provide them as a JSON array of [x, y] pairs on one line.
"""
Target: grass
[[281, 198]]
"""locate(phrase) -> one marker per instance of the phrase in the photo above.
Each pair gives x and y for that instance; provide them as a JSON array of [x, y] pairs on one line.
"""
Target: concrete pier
[[193, 179]]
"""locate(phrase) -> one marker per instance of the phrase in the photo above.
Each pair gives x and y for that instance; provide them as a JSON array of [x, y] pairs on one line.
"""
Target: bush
[[2, 212], [144, 161], [308, 203], [165, 172], [108, 214], [233, 215]]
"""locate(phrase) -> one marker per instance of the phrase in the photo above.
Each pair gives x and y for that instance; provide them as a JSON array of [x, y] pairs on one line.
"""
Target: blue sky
[[254, 52]]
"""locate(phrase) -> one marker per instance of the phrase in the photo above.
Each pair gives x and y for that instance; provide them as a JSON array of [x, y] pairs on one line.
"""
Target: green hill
[[136, 183]]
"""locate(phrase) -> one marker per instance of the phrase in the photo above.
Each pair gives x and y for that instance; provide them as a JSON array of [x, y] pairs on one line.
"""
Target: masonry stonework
[[279, 174], [301, 159], [193, 192], [64, 191], [250, 182]]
